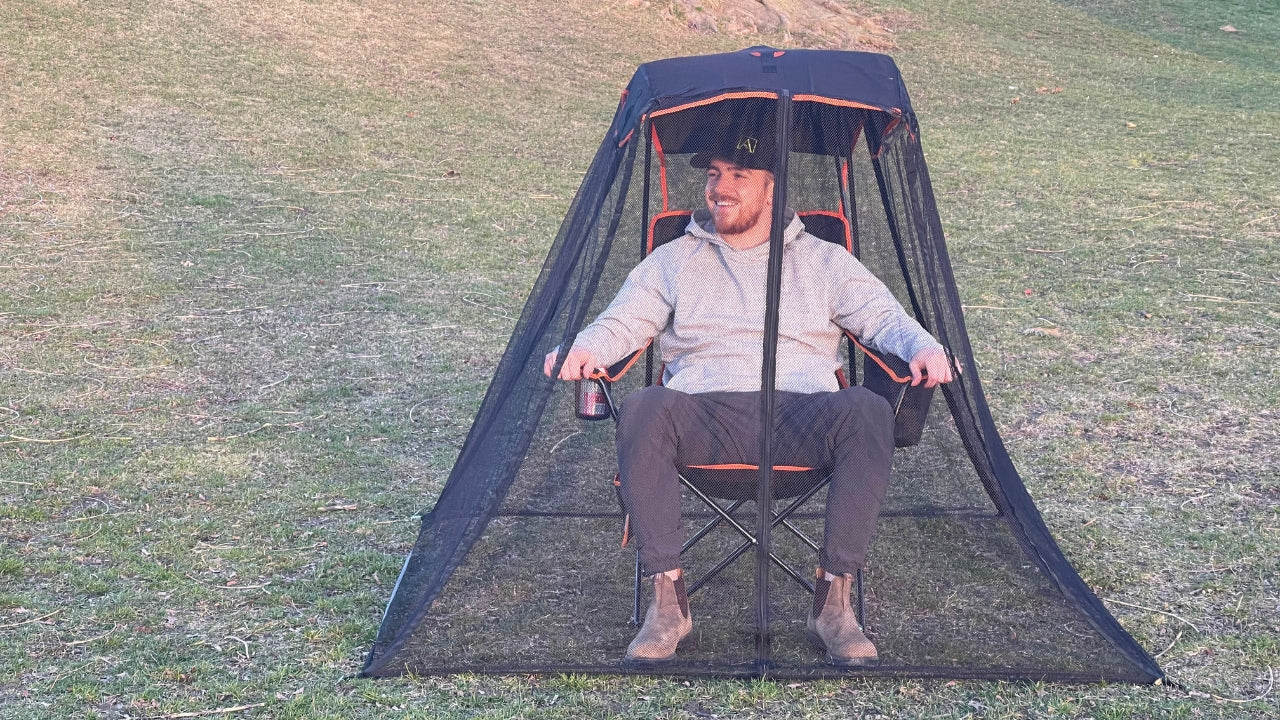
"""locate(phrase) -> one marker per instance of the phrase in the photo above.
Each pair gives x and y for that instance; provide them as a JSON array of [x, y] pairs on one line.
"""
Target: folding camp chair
[[724, 489]]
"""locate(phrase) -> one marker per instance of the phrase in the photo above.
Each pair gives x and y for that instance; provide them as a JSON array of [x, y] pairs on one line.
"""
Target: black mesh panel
[[520, 566]]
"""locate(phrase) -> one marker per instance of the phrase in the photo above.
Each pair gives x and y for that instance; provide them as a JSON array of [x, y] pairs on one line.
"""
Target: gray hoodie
[[705, 302]]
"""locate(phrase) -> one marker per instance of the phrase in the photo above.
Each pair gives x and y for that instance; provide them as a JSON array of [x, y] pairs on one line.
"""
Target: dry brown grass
[[805, 23], [225, 312]]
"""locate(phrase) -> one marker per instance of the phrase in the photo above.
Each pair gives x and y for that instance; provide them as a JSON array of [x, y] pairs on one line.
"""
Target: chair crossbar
[[721, 512], [739, 552], [712, 524], [724, 514], [800, 534]]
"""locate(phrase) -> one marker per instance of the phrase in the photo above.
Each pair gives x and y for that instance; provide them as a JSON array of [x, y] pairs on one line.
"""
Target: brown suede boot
[[833, 625], [665, 624]]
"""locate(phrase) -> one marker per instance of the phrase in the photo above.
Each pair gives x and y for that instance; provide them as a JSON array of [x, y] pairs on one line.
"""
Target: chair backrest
[[667, 226]]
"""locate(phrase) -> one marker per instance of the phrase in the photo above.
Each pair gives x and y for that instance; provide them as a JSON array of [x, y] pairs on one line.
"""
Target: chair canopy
[[517, 567]]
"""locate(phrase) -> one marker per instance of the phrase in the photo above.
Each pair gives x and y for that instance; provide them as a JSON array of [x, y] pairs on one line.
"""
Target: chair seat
[[740, 481]]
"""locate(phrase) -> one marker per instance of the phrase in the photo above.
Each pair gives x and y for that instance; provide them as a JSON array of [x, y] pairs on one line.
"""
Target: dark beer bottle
[[592, 404]]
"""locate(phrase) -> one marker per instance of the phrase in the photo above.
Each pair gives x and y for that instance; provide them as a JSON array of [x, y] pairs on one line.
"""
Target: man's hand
[[932, 366], [578, 364]]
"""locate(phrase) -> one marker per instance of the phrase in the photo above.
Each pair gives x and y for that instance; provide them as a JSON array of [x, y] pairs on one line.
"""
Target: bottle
[[592, 404]]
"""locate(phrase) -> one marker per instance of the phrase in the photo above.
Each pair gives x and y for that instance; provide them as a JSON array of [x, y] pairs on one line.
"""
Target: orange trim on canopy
[[622, 102], [844, 222], [716, 99], [844, 186], [888, 130], [843, 103], [662, 165]]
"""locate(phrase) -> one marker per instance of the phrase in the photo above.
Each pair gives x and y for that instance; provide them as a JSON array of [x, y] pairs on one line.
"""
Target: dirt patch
[[808, 23]]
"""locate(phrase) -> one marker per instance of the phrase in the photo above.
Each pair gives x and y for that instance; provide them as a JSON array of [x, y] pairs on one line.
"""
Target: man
[[704, 294]]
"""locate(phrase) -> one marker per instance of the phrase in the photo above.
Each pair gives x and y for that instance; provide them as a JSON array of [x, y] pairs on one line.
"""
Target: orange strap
[[883, 366], [603, 373], [740, 466]]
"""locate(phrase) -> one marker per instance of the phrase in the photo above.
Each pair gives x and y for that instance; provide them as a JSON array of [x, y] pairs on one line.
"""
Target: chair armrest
[[896, 368], [889, 376], [614, 372]]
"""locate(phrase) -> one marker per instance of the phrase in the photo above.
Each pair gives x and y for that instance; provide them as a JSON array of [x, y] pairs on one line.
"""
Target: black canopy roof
[[865, 79]]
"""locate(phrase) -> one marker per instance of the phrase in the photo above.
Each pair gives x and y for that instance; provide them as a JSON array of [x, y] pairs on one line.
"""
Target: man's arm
[[864, 306], [637, 314]]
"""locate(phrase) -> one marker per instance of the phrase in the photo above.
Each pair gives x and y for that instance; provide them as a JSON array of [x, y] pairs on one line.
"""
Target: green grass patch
[[1240, 32]]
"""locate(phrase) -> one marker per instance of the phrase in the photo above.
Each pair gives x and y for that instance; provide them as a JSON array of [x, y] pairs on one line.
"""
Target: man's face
[[738, 197]]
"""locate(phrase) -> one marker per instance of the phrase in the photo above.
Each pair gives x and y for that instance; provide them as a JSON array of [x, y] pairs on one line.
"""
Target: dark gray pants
[[660, 430]]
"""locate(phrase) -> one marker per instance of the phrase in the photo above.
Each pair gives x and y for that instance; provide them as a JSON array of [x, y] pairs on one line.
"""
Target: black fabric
[[517, 566], [910, 403]]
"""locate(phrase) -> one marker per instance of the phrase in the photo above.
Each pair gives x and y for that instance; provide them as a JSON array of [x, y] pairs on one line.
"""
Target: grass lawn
[[260, 259]]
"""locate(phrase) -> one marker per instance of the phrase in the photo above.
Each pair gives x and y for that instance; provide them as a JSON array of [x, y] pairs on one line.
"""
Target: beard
[[735, 220]]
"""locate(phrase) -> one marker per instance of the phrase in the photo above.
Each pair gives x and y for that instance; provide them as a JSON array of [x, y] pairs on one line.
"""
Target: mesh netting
[[520, 567]]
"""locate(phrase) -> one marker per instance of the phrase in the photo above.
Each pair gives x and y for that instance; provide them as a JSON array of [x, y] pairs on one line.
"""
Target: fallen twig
[[1162, 612], [415, 407], [287, 375], [224, 438], [100, 515], [41, 441], [1271, 682], [195, 579], [242, 642], [414, 330], [1176, 638], [1160, 202], [89, 640], [562, 441], [202, 713], [28, 622], [1215, 298]]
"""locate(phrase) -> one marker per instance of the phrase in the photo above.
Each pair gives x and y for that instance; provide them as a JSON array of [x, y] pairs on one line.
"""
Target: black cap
[[746, 151]]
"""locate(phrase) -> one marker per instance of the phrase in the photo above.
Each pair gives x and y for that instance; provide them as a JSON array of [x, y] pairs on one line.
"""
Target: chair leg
[[862, 604], [635, 612]]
